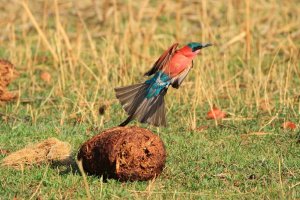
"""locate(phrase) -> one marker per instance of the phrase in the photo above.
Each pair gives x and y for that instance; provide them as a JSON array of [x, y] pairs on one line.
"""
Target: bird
[[145, 101]]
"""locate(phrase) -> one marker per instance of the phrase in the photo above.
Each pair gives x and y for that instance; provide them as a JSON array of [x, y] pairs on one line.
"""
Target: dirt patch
[[7, 75], [124, 153]]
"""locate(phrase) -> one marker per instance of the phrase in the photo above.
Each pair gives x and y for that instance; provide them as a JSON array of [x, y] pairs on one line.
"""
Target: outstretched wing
[[163, 60], [176, 81]]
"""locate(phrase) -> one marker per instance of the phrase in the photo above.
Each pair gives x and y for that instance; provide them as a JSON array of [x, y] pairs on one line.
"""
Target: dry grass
[[90, 47], [43, 152]]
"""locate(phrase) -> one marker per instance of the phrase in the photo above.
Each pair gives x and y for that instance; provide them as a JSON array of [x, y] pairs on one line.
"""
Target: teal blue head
[[196, 46]]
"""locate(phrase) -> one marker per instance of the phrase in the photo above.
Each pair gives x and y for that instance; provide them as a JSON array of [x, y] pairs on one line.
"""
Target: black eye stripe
[[196, 48]]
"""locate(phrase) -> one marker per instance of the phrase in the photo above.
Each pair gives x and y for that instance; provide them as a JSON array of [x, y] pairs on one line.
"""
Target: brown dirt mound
[[124, 153], [7, 75], [47, 150]]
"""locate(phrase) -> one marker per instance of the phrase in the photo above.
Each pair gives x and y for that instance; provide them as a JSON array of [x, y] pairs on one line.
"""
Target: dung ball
[[124, 153]]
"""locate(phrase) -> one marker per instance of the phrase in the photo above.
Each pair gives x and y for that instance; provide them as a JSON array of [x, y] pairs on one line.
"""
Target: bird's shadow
[[70, 166]]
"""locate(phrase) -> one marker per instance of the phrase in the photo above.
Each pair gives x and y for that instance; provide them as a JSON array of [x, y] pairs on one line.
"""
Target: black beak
[[201, 46], [206, 45]]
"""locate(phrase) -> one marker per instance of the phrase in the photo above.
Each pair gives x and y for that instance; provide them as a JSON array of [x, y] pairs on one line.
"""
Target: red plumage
[[181, 60], [145, 101]]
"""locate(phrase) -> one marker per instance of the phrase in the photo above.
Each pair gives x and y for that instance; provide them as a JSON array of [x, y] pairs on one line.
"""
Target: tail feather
[[151, 111], [136, 101], [159, 116], [156, 113], [126, 121], [128, 89], [130, 94]]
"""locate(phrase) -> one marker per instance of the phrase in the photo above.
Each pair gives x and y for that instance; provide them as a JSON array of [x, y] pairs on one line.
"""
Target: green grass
[[91, 47], [215, 163]]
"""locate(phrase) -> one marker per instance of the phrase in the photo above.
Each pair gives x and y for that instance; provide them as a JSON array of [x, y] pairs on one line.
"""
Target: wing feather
[[163, 60], [176, 81]]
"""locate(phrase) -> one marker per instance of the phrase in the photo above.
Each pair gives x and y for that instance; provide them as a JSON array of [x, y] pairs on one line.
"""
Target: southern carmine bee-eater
[[145, 101]]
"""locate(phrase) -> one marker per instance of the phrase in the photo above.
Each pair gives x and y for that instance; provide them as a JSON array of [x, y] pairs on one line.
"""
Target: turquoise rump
[[145, 101], [156, 84]]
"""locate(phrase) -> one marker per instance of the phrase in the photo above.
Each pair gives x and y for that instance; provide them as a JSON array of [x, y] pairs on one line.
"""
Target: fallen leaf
[[46, 77], [7, 75], [7, 96], [7, 72], [4, 152], [15, 198], [289, 125], [216, 113]]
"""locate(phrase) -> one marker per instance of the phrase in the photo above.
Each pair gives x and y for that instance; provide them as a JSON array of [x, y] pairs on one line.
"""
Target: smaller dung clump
[[7, 75], [124, 153], [48, 150]]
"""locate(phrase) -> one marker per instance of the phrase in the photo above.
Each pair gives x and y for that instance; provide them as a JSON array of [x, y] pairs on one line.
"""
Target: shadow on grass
[[67, 166], [70, 166]]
